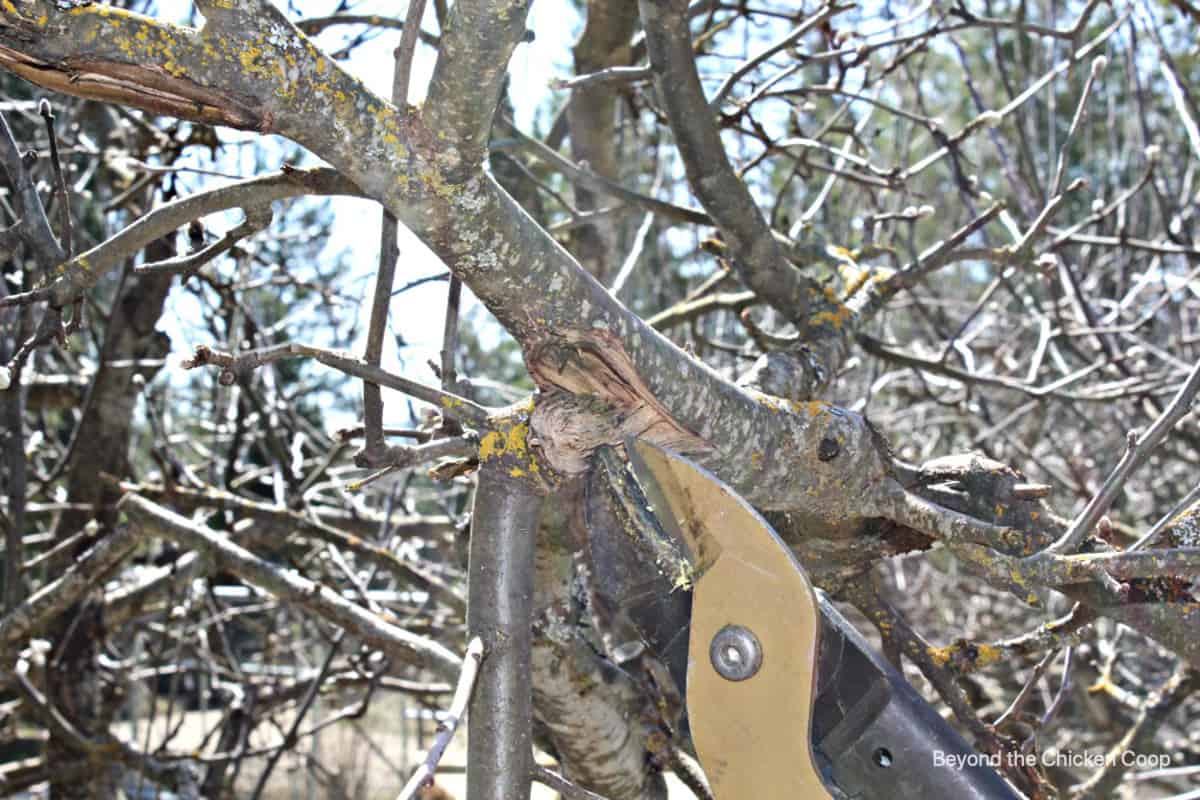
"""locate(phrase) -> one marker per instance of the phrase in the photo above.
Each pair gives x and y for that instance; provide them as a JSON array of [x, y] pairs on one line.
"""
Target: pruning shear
[[784, 698]]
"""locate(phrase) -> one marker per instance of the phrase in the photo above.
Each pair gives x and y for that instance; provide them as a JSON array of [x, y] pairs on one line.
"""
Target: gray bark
[[499, 611]]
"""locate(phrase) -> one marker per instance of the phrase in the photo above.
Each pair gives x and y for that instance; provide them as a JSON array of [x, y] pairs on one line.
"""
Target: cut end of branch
[[593, 396]]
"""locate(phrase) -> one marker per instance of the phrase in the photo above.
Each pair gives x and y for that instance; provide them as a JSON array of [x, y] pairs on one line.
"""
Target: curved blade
[[636, 566], [753, 736]]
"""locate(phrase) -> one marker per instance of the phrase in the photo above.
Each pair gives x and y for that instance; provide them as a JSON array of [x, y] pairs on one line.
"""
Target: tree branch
[[500, 613], [465, 88], [447, 727], [381, 631], [450, 404], [760, 260]]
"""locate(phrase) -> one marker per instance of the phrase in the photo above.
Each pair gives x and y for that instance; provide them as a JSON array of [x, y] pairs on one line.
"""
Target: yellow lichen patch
[[118, 14], [856, 281], [966, 655], [987, 654], [857, 278], [769, 402], [434, 183], [835, 318], [249, 57], [941, 655], [79, 262], [512, 442], [843, 255], [813, 408], [98, 10], [10, 10], [492, 445]]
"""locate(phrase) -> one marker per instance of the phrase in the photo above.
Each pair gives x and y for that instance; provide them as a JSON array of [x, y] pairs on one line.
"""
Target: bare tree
[[943, 334]]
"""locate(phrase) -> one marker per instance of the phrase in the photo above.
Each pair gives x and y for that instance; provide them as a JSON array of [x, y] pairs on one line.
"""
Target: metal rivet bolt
[[828, 449], [735, 653]]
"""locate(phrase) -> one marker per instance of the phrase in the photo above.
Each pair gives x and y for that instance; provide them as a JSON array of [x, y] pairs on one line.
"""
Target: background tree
[[746, 230]]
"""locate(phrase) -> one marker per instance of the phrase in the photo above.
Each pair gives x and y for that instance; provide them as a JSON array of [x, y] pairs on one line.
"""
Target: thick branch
[[499, 611], [472, 63]]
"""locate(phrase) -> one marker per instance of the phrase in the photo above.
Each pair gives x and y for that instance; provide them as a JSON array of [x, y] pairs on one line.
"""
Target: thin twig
[[998, 115], [52, 599], [460, 408], [60, 180], [88, 267], [33, 227], [449, 724], [1026, 691], [404, 53], [257, 219], [1153, 712], [1139, 449], [450, 335], [291, 737], [389, 254], [1061, 695], [402, 456], [1188, 499], [939, 254], [823, 14], [607, 75], [563, 786], [1098, 65]]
